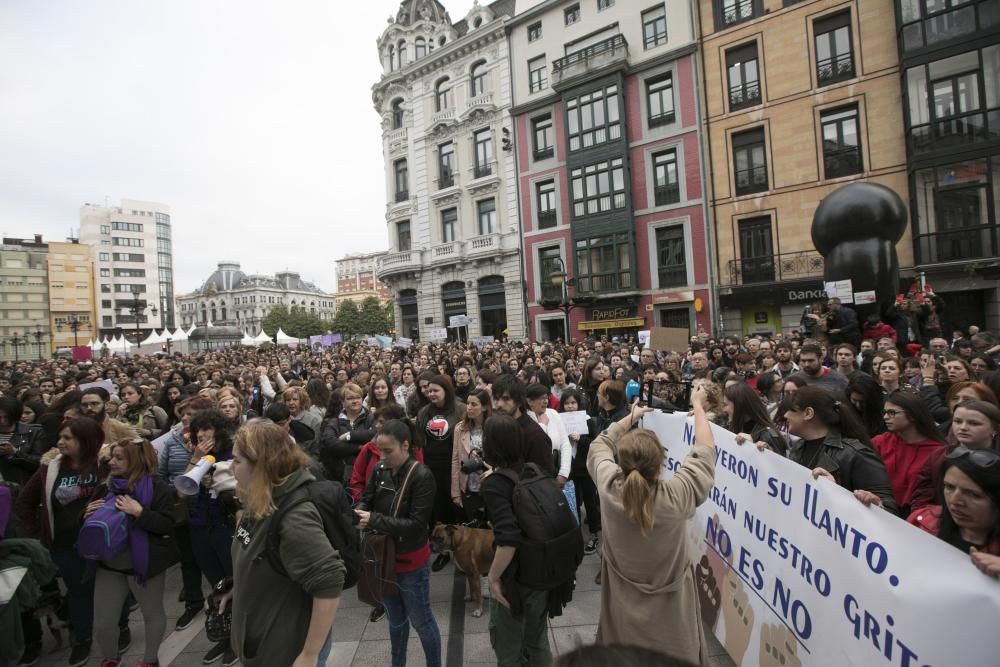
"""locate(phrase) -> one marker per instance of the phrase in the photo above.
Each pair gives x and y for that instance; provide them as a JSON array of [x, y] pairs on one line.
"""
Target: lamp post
[[75, 324], [17, 341], [137, 308], [38, 335]]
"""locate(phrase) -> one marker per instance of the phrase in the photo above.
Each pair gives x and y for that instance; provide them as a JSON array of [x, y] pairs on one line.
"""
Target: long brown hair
[[640, 456], [274, 457], [140, 458]]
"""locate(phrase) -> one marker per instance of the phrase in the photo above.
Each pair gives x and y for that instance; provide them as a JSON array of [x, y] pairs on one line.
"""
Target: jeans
[[211, 546], [413, 606], [522, 640]]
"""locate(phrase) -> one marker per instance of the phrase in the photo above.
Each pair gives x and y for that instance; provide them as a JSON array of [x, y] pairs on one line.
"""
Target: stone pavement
[[465, 640]]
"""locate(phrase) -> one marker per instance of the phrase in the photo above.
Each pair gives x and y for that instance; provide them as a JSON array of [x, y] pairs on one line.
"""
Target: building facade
[[950, 61], [609, 167], [800, 98], [24, 300], [357, 280], [133, 256], [450, 177], [71, 294], [232, 298]]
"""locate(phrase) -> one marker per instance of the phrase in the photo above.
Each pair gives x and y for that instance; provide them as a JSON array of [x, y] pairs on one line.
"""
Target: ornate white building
[[232, 298], [450, 175]]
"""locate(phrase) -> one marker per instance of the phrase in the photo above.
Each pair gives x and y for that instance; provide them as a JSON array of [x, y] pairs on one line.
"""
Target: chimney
[[38, 239]]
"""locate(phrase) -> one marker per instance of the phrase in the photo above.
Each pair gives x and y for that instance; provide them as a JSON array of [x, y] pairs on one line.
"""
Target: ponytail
[[637, 497], [641, 457]]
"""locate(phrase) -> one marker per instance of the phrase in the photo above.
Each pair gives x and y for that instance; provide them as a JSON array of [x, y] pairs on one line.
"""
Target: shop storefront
[[409, 316], [616, 318], [453, 302], [765, 311]]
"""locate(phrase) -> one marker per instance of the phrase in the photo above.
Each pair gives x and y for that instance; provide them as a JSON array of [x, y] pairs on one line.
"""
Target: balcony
[[604, 282], [839, 162], [836, 68], [955, 132], [482, 170], [667, 194], [606, 54], [396, 135], [737, 12], [402, 195], [749, 181], [745, 95], [953, 23], [398, 262], [447, 253], [443, 116], [484, 101], [957, 245], [774, 268]]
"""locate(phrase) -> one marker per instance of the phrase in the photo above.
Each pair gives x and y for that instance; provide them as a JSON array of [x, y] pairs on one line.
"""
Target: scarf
[[138, 539]]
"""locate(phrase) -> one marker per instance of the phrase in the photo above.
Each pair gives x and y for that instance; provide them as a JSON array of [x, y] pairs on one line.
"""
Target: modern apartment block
[[950, 60], [72, 304], [609, 167], [24, 301], [356, 278], [450, 178], [800, 98], [131, 246]]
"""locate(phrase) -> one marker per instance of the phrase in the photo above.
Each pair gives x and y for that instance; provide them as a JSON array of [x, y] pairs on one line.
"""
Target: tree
[[373, 317], [347, 321], [297, 322]]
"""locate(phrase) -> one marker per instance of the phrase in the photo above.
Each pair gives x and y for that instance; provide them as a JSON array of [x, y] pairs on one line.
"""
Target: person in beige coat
[[645, 570]]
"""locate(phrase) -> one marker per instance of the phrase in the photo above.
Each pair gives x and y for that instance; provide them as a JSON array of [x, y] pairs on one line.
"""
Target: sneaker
[[79, 655], [377, 614], [30, 655], [229, 658], [187, 618], [214, 654], [124, 640], [591, 546], [440, 562]]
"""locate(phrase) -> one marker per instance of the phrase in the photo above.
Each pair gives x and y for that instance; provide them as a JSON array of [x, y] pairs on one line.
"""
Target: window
[[598, 188], [933, 22], [105, 288], [841, 147], [572, 14], [750, 162], [604, 263], [486, 211], [492, 306], [544, 137], [397, 114], [106, 303], [654, 27], [743, 76], [484, 153], [593, 119], [449, 217], [671, 264], [419, 48], [128, 257], [605, 4], [442, 99], [126, 226], [103, 257], [446, 165], [402, 180], [401, 48], [478, 76], [130, 273], [536, 74], [666, 188], [105, 273], [535, 31], [756, 263], [130, 289], [660, 99], [392, 58], [731, 12], [549, 263], [545, 197], [105, 229], [124, 241], [834, 57], [403, 235]]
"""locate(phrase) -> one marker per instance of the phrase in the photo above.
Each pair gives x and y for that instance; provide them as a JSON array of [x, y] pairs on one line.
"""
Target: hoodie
[[904, 461]]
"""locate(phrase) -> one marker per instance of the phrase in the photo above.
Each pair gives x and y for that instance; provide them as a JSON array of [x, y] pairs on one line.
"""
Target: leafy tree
[[347, 321], [373, 317], [297, 322]]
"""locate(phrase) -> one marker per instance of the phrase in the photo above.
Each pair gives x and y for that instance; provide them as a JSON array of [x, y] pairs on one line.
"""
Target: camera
[[473, 464]]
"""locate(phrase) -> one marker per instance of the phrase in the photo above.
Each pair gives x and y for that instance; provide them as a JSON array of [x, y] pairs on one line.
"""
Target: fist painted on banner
[[778, 647], [738, 614]]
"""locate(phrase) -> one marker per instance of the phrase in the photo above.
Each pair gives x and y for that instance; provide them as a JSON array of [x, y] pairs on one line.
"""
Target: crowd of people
[[453, 434]]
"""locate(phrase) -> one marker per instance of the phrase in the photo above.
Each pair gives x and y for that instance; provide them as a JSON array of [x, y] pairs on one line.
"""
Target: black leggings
[[586, 495]]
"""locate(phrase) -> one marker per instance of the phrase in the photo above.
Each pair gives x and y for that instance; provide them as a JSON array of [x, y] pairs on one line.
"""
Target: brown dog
[[473, 550]]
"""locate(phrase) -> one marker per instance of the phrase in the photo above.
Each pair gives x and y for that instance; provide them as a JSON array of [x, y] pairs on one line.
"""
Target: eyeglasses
[[984, 458], [891, 413]]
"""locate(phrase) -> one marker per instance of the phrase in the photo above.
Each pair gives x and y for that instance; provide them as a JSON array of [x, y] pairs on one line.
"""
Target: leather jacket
[[410, 525], [28, 444], [853, 464]]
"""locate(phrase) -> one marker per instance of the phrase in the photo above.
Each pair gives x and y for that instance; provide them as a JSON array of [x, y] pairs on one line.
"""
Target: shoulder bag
[[377, 580]]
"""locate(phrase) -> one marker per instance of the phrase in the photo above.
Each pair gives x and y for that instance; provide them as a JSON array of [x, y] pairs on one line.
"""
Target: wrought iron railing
[[744, 95], [751, 180], [738, 11], [667, 194], [835, 68], [609, 45], [774, 268]]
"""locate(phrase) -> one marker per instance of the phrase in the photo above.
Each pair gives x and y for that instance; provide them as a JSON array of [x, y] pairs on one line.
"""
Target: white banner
[[437, 334], [405, 343], [795, 571], [459, 321]]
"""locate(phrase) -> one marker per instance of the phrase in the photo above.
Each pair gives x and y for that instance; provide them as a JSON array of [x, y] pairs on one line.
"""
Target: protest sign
[[665, 339], [575, 422], [483, 341], [437, 334], [108, 385], [404, 343], [795, 571], [459, 321]]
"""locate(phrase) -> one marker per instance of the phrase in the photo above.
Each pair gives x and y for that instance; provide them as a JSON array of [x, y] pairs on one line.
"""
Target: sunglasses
[[984, 458]]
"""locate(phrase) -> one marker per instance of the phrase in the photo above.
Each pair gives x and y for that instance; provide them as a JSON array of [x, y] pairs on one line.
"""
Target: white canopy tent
[[248, 340], [281, 338], [262, 337]]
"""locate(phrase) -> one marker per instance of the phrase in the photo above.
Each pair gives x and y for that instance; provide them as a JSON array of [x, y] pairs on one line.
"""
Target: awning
[[597, 325]]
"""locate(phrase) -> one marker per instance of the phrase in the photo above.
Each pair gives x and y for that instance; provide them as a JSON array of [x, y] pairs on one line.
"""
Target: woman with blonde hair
[[280, 618], [297, 401], [645, 570]]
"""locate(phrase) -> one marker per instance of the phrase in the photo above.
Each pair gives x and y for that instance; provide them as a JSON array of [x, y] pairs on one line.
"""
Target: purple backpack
[[104, 534]]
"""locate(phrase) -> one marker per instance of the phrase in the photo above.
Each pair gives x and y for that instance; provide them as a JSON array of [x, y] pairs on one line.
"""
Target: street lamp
[[75, 324], [17, 341], [137, 308], [38, 334]]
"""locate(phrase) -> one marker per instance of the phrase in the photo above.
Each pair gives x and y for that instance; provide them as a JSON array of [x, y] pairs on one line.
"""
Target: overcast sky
[[252, 120]]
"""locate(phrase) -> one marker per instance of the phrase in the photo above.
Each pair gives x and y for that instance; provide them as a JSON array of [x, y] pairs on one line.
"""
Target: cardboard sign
[[459, 321], [438, 334], [665, 339]]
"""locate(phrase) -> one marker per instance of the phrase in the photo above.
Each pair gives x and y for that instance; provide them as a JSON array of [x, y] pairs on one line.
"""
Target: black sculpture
[[856, 229]]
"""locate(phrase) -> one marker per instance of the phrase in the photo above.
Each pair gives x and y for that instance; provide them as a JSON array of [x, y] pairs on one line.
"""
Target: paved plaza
[[465, 640]]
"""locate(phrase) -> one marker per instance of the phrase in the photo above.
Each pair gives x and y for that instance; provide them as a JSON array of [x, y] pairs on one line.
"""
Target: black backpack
[[334, 507], [553, 545]]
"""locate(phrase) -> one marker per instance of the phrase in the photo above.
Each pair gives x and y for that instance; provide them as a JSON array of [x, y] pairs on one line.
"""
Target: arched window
[[392, 57], [397, 114], [419, 48], [477, 76], [401, 47], [442, 99]]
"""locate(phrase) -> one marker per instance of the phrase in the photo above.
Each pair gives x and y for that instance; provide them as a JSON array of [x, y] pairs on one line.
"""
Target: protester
[[510, 398], [436, 424], [368, 458], [548, 419], [149, 421], [747, 417], [646, 572], [342, 434], [21, 444], [586, 490], [976, 425], [467, 466]]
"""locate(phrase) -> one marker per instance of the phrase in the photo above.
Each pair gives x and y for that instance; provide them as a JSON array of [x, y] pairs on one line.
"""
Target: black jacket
[[29, 444], [578, 468], [846, 320], [158, 521], [333, 452], [853, 464], [411, 524], [537, 444]]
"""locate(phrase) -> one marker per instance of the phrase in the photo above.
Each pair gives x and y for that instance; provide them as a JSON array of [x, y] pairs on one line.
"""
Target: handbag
[[377, 580], [219, 626]]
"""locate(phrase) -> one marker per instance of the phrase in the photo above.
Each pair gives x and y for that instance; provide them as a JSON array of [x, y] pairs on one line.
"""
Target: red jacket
[[904, 461], [881, 330], [928, 519], [364, 466]]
